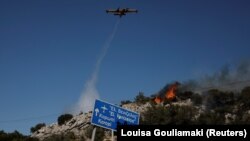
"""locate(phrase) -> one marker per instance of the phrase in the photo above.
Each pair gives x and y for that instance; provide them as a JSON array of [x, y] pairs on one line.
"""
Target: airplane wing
[[131, 10], [113, 10]]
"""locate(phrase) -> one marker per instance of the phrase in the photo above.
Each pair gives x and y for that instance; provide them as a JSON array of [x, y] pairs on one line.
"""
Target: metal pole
[[93, 134], [113, 135]]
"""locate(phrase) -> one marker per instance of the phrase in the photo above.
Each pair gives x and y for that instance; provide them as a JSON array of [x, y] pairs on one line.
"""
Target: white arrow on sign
[[96, 111]]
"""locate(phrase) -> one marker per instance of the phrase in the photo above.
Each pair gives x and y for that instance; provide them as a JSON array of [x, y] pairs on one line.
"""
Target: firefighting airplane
[[121, 12]]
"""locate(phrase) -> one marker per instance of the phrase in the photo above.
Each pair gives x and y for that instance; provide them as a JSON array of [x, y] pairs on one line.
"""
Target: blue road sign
[[108, 115]]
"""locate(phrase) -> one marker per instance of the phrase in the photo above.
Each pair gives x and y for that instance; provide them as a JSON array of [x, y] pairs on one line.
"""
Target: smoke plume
[[229, 78], [90, 92]]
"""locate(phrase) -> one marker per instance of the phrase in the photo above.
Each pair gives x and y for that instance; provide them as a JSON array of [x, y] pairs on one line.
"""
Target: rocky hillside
[[79, 125], [76, 125], [211, 107]]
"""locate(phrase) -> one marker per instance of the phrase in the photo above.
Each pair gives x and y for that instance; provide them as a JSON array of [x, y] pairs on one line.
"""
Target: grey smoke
[[229, 78], [90, 92]]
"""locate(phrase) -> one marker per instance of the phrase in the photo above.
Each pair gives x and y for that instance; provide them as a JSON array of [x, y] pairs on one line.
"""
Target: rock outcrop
[[77, 125]]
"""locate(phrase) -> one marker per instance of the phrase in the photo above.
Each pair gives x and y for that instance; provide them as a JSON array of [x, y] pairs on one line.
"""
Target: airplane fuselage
[[121, 12]]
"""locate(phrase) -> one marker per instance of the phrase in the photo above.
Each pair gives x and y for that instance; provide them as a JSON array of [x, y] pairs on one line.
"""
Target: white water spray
[[90, 92]]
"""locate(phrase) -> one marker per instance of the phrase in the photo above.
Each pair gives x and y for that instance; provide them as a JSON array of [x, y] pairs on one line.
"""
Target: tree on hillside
[[243, 106], [185, 95], [211, 118], [172, 114], [141, 99], [218, 99], [15, 136], [125, 102], [64, 118], [37, 127], [244, 96]]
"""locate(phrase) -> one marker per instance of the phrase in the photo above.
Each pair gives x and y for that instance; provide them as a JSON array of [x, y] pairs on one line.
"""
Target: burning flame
[[170, 94], [158, 100]]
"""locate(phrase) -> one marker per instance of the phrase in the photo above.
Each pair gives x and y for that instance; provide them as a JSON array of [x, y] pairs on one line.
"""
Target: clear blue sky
[[48, 49]]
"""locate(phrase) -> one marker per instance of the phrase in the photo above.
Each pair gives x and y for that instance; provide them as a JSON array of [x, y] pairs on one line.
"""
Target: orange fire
[[170, 94], [157, 100]]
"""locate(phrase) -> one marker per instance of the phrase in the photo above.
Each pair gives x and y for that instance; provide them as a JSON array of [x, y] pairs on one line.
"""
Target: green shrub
[[173, 114], [64, 118], [244, 97], [15, 136], [125, 102], [141, 99], [184, 95], [196, 99], [37, 127], [211, 118], [217, 99]]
